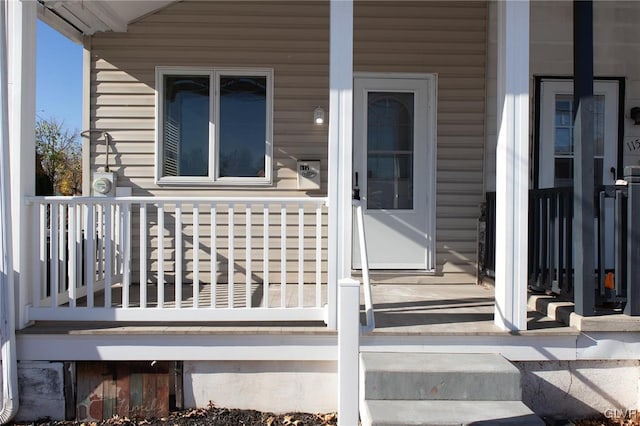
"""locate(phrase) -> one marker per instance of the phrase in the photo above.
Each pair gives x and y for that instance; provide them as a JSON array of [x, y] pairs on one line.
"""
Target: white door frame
[[425, 109]]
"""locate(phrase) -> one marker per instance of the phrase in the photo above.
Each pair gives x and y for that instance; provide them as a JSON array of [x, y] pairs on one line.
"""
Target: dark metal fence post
[[583, 139], [632, 176]]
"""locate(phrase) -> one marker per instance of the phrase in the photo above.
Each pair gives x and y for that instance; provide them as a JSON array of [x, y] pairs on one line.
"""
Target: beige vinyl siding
[[447, 39], [292, 38], [616, 52]]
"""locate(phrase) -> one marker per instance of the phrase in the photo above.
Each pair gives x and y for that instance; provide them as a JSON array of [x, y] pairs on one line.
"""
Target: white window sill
[[232, 182]]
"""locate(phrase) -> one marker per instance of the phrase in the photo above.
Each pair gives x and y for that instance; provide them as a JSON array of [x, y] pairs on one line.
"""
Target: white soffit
[[75, 18]]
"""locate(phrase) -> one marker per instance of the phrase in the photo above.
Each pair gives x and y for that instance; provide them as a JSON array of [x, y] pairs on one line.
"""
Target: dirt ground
[[214, 416]]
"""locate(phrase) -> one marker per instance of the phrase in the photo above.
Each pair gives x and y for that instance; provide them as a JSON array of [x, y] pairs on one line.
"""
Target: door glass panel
[[390, 120], [563, 140]]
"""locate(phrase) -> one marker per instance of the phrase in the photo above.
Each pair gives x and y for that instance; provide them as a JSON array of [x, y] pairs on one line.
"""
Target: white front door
[[556, 144], [556, 133], [394, 165]]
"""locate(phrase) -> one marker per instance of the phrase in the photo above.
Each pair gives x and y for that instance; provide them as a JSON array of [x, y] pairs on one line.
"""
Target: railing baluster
[[178, 255], [143, 255], [230, 258], [108, 254], [318, 255], [71, 269], [265, 256], [90, 252], [160, 289], [283, 255], [53, 258], [62, 249], [40, 214], [116, 224], [100, 241], [196, 255], [125, 244], [116, 231], [90, 243], [248, 256], [79, 255], [213, 257], [300, 255]]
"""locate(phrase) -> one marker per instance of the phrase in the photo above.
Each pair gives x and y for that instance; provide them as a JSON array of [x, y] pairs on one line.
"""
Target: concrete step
[[402, 412], [430, 376]]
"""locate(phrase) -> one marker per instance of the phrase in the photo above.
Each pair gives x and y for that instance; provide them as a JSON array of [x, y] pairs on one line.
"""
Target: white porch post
[[22, 112], [340, 170], [340, 148], [512, 165]]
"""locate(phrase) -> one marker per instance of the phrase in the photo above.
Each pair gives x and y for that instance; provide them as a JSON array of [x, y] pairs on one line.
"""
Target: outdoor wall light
[[635, 115], [318, 115]]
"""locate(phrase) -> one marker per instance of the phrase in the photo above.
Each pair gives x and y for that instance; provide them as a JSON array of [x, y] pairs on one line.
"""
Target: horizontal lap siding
[[448, 39], [290, 38], [222, 241], [616, 51]]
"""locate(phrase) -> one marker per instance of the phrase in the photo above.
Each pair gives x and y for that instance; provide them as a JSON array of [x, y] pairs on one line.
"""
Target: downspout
[[7, 326]]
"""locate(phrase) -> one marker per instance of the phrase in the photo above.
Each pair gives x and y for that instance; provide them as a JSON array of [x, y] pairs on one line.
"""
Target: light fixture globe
[[318, 115]]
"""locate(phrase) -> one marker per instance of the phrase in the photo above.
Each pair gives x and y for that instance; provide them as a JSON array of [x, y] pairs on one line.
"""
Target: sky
[[58, 78]]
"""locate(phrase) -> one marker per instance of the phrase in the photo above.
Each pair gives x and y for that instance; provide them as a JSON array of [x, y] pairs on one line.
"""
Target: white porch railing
[[179, 259]]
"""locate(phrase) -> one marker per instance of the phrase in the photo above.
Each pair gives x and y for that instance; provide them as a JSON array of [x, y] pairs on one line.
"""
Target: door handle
[[356, 188], [613, 173]]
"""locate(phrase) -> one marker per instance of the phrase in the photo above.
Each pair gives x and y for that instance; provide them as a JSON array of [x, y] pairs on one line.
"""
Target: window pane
[[563, 110], [564, 141], [390, 121], [243, 118], [390, 150], [186, 126], [563, 133], [563, 172]]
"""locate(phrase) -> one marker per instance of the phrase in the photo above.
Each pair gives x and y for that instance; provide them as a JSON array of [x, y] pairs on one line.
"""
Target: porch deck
[[400, 310], [456, 318]]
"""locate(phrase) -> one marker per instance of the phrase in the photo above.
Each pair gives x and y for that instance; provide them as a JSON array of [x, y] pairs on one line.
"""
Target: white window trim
[[212, 179]]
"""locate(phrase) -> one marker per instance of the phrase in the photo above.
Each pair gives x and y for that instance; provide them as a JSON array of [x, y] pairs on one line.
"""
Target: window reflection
[[563, 140], [243, 111], [390, 150], [186, 126]]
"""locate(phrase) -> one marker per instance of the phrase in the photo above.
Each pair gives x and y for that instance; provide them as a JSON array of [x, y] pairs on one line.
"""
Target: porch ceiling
[[75, 18]]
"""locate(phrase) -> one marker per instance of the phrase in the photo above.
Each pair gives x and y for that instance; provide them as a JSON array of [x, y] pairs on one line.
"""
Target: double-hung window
[[214, 126]]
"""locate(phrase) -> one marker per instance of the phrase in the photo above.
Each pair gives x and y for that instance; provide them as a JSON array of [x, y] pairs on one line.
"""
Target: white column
[[86, 115], [340, 148], [512, 165], [348, 352], [22, 112]]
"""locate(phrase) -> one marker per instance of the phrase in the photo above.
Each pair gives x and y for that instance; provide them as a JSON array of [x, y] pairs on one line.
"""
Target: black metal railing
[[551, 253], [550, 263]]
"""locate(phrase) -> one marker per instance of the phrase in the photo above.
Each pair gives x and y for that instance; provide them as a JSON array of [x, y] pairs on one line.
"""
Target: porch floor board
[[400, 310], [452, 309]]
